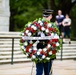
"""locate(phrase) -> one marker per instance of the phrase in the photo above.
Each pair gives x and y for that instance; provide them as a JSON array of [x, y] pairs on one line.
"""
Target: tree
[[64, 5], [23, 11]]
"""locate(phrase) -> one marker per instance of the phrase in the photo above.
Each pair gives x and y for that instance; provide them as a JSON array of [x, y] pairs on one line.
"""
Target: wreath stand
[[39, 38], [51, 70]]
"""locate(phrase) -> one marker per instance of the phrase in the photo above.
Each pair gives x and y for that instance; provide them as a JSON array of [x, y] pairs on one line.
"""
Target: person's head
[[59, 12], [47, 13], [66, 16]]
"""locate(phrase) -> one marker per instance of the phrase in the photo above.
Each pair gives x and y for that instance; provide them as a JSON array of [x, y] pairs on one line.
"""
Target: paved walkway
[[65, 67]]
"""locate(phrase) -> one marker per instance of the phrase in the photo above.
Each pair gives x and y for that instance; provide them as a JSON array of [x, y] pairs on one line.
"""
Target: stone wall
[[4, 15]]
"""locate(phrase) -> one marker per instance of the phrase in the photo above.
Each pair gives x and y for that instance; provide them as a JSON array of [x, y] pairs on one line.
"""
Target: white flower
[[31, 42], [49, 46], [45, 49], [56, 36], [27, 31], [57, 44], [42, 34], [30, 50], [43, 56], [34, 44], [35, 28], [49, 25], [29, 24], [34, 48], [47, 30], [50, 53], [40, 50], [38, 53], [42, 28], [25, 43], [23, 38], [22, 34], [27, 54], [39, 21], [37, 41], [52, 34], [29, 34], [32, 26], [22, 47], [47, 58], [33, 56]]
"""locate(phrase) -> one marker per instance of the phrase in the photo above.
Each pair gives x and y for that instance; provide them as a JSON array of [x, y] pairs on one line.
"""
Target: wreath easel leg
[[51, 70]]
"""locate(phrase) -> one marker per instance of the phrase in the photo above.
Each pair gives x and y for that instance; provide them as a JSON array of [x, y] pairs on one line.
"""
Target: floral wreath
[[29, 47]]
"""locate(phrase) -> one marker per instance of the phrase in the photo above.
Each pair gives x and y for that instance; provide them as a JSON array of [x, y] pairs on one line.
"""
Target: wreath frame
[[29, 47]]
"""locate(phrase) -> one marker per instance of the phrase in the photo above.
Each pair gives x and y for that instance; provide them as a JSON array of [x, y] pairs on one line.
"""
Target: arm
[[69, 22]]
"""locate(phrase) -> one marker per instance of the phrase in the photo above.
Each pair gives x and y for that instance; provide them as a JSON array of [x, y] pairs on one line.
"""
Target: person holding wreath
[[46, 66], [40, 42]]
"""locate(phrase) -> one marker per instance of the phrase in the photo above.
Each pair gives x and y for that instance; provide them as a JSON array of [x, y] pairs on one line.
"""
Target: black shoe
[[69, 42], [63, 43]]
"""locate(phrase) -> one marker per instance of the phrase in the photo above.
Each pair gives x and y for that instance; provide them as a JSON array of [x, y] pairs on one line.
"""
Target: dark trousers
[[43, 66], [67, 31]]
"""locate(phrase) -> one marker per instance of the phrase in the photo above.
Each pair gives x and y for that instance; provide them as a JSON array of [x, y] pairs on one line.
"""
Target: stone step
[[18, 48], [15, 56], [14, 60], [69, 44], [10, 33], [8, 46], [9, 52], [9, 49], [67, 54], [65, 48], [18, 45], [66, 57], [68, 51]]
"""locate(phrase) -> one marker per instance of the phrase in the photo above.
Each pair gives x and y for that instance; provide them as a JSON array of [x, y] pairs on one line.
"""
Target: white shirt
[[66, 22]]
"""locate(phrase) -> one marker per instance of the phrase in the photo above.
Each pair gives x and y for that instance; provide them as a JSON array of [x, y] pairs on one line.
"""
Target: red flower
[[27, 49], [27, 29], [54, 45], [33, 51], [53, 51], [34, 22], [30, 45], [53, 40], [33, 31], [49, 42], [22, 40], [54, 29], [45, 23], [48, 50], [45, 27], [40, 27], [41, 52], [56, 40], [50, 29], [45, 54], [31, 54], [24, 34], [37, 24], [49, 34]]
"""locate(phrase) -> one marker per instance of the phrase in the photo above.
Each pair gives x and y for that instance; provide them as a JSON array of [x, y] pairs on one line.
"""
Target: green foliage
[[73, 25], [23, 11]]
